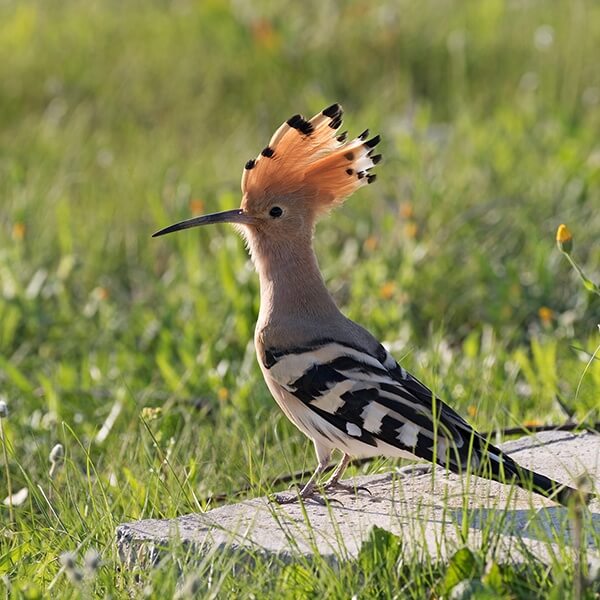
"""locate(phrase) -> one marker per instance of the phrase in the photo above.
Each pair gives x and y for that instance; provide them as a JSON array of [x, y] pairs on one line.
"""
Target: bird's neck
[[291, 285]]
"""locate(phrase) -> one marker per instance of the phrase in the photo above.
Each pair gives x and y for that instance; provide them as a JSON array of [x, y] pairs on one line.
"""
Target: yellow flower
[[410, 230], [546, 315], [387, 290], [406, 210], [532, 423], [223, 394], [18, 231], [370, 243], [196, 207], [564, 239], [265, 35], [472, 411], [151, 413]]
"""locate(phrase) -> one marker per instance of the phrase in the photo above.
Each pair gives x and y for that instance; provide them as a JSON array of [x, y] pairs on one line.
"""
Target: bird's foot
[[311, 494], [285, 498], [348, 488], [415, 470], [308, 492]]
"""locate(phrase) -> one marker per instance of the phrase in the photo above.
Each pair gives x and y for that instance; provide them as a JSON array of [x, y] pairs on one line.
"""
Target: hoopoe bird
[[333, 380]]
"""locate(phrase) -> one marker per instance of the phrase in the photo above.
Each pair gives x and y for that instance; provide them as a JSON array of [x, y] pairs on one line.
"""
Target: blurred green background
[[118, 118]]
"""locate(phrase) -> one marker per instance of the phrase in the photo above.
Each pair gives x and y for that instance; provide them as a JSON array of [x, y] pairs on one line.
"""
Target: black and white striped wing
[[372, 399], [371, 402]]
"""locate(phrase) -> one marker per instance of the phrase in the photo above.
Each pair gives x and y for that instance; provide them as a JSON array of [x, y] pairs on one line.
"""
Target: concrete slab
[[433, 513]]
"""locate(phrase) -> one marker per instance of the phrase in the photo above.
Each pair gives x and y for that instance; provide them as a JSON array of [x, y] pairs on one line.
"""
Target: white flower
[[57, 454]]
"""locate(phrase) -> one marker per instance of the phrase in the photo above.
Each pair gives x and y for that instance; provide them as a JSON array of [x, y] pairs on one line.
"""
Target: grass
[[117, 118]]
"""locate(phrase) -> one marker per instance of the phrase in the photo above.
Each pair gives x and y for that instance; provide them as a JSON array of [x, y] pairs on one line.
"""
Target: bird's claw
[[347, 488], [285, 498], [312, 495]]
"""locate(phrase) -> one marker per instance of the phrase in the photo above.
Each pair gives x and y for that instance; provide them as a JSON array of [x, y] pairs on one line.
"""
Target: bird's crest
[[310, 159]]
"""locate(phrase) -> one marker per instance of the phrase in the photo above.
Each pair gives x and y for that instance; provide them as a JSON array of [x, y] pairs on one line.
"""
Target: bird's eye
[[275, 212]]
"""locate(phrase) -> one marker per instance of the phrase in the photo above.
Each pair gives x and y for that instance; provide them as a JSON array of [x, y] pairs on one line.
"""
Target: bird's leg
[[308, 491], [333, 483], [339, 471]]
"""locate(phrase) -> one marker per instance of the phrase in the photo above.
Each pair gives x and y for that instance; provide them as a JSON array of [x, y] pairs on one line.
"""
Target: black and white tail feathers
[[364, 403], [499, 466]]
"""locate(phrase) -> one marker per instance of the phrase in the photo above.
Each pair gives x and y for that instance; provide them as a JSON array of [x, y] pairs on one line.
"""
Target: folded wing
[[372, 399]]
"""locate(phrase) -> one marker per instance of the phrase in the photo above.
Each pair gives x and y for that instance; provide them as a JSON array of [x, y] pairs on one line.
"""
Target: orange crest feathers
[[311, 160]]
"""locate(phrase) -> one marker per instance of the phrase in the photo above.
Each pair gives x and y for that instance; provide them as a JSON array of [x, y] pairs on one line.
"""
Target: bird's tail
[[499, 466], [561, 493]]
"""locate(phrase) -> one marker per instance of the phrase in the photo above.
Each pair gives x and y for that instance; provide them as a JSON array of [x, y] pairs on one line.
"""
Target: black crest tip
[[295, 121], [301, 124], [336, 122], [333, 111], [373, 142]]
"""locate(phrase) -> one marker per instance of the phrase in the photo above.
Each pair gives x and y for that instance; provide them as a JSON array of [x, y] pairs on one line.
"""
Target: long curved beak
[[227, 216]]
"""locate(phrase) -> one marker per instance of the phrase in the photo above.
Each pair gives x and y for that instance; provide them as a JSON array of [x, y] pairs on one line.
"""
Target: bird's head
[[307, 169]]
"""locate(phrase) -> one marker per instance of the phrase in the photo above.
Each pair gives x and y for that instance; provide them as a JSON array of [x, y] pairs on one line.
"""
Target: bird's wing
[[370, 397]]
